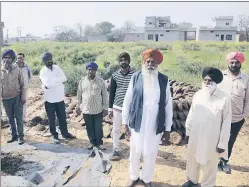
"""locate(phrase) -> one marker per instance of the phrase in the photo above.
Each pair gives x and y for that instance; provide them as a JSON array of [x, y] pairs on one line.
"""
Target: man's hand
[[78, 111], [23, 101], [105, 113], [165, 138], [219, 150], [127, 131], [110, 114]]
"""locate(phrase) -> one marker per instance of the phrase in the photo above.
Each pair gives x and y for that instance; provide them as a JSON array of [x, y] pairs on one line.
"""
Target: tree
[[64, 34], [89, 30], [243, 24], [129, 26], [117, 35], [104, 28], [185, 25], [79, 27]]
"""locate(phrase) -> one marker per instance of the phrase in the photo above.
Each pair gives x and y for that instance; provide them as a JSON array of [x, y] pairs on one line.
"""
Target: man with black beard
[[207, 129], [14, 94], [53, 79], [236, 84], [118, 87], [147, 116]]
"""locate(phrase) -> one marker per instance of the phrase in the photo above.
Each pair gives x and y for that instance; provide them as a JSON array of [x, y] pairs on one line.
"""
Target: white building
[[222, 31], [22, 39], [137, 35], [160, 29]]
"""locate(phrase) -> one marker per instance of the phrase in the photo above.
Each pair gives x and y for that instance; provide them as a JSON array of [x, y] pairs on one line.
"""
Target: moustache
[[234, 69]]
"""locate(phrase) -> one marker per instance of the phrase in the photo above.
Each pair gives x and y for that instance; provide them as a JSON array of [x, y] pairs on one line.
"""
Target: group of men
[[141, 101]]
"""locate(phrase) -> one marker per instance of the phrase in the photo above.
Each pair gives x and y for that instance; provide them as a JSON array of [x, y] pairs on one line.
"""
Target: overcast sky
[[39, 18]]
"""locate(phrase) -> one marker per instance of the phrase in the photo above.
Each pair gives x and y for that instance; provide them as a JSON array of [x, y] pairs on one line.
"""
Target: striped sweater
[[118, 87]]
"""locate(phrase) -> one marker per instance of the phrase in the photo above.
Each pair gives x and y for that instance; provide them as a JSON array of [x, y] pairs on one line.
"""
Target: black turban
[[214, 73], [124, 55], [46, 56]]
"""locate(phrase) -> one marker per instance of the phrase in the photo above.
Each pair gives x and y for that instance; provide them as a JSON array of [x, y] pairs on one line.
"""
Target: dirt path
[[170, 165]]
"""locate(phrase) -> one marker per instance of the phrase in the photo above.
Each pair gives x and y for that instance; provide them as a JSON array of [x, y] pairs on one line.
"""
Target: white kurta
[[146, 142], [54, 81], [208, 126]]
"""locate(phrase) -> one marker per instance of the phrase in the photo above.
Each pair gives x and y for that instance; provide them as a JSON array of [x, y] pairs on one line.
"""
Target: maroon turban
[[153, 53]]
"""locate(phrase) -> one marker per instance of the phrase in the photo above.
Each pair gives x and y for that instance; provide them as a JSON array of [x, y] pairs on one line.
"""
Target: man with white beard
[[147, 116], [207, 129]]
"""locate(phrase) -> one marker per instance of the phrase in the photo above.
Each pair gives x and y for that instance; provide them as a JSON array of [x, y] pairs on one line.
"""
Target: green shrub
[[107, 72], [189, 67], [74, 75]]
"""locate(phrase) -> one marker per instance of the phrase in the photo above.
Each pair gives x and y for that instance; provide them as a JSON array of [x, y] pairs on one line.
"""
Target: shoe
[[149, 184], [12, 139], [20, 141], [69, 136], [101, 147], [115, 156], [132, 183], [90, 146], [189, 183], [225, 167], [56, 140]]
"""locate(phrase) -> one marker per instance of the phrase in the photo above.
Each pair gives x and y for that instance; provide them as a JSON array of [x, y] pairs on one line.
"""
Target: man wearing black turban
[[214, 73], [207, 129]]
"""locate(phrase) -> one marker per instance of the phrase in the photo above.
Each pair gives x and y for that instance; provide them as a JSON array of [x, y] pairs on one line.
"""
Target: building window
[[229, 37], [217, 35], [150, 23], [227, 23], [167, 30], [150, 36], [211, 31], [162, 25], [161, 34]]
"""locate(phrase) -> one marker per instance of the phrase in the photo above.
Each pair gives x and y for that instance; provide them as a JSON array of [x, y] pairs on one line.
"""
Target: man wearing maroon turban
[[147, 116], [236, 84]]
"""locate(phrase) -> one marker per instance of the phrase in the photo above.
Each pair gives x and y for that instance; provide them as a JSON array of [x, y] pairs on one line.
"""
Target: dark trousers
[[59, 110], [235, 128], [94, 128], [14, 111]]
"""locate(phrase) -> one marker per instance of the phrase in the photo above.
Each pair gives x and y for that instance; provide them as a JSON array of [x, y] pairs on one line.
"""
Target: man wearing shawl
[[147, 116], [207, 129], [13, 95], [118, 87], [236, 84], [92, 99], [53, 78]]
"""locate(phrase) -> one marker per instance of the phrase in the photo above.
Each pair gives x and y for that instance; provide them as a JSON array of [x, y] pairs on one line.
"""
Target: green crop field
[[183, 61]]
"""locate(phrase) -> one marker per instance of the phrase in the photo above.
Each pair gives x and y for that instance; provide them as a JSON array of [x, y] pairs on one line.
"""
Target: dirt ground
[[171, 162]]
